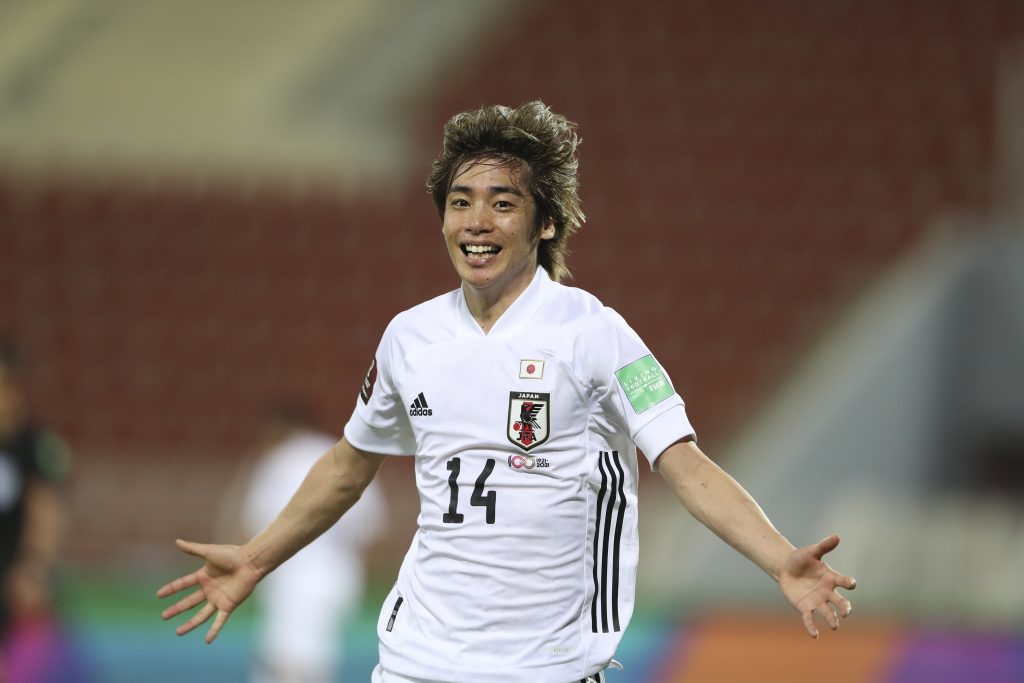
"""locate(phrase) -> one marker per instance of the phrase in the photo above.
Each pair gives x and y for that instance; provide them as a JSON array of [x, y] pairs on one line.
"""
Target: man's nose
[[479, 219]]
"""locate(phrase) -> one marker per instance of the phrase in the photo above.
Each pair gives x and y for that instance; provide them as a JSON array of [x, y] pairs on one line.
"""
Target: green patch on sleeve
[[644, 383]]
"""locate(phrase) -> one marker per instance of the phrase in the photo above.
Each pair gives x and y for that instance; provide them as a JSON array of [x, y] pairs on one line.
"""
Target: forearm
[[27, 583], [721, 504], [332, 486], [44, 526]]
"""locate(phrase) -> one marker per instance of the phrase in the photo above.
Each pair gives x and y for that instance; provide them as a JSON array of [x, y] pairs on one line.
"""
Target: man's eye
[[502, 204], [459, 202]]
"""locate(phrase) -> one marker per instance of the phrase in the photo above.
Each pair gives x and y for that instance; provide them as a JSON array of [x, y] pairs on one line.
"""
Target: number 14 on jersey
[[479, 498]]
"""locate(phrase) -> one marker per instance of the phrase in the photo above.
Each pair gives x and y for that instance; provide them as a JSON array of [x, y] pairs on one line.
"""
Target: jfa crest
[[529, 420]]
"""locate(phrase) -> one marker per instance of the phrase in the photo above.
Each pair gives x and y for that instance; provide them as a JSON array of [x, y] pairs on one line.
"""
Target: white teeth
[[479, 249]]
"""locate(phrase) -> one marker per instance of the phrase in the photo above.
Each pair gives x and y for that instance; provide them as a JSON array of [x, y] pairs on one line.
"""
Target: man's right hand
[[224, 582]]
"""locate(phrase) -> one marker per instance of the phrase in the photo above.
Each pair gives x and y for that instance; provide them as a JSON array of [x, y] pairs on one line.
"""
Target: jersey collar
[[521, 311]]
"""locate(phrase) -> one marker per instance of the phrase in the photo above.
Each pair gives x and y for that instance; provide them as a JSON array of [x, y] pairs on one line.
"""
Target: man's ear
[[547, 231]]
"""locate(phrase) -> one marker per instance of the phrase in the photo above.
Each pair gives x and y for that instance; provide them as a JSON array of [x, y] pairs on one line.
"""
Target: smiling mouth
[[479, 249]]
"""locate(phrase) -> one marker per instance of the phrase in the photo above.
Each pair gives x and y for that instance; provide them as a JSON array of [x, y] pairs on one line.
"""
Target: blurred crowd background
[[810, 209]]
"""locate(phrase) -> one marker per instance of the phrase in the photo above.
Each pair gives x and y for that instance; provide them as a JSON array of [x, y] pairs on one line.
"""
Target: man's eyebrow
[[492, 190]]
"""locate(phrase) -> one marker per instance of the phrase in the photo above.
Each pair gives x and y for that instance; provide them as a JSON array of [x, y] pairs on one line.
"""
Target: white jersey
[[524, 563]]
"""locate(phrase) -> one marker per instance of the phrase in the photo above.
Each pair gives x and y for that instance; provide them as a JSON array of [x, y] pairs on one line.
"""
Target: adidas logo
[[419, 407]]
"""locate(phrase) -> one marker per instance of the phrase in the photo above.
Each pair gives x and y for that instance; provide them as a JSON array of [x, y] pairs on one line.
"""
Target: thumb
[[826, 545], [192, 548]]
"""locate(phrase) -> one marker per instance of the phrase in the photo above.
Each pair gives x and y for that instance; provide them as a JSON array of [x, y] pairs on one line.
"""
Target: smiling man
[[523, 402], [493, 235]]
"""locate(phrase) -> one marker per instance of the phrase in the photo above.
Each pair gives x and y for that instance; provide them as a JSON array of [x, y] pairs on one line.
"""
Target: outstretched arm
[[230, 572], [721, 504]]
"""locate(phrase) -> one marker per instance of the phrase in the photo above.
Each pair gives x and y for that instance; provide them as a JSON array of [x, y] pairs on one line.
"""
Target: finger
[[826, 545], [829, 615], [183, 605], [218, 624], [198, 618], [809, 625], [177, 585], [841, 604]]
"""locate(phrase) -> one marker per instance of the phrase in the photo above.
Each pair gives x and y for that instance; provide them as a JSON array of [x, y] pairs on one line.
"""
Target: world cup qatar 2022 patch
[[644, 383], [529, 419]]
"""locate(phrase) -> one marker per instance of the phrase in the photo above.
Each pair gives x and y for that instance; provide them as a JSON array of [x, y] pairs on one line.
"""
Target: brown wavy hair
[[534, 138]]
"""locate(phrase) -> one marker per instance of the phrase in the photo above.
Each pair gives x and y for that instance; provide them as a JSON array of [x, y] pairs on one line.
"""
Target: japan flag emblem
[[529, 420], [531, 369]]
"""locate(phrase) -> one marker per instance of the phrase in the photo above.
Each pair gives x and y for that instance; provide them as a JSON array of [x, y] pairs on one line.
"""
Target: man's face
[[489, 227]]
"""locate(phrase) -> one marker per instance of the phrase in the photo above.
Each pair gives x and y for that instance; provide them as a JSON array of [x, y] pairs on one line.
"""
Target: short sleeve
[[634, 393], [379, 423]]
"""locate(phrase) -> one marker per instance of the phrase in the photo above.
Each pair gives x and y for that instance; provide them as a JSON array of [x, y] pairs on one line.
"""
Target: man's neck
[[487, 307]]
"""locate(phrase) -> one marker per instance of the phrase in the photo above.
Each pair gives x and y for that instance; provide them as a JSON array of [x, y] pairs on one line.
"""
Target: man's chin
[[477, 279], [481, 274]]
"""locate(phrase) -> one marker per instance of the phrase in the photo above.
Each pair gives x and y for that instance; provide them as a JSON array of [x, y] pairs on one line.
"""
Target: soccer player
[[524, 402], [34, 464]]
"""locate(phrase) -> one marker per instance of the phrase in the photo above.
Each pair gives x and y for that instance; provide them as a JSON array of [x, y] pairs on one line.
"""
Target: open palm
[[224, 581], [810, 585]]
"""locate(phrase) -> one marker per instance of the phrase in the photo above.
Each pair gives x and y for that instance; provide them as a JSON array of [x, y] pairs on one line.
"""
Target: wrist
[[780, 558], [258, 558], [253, 560]]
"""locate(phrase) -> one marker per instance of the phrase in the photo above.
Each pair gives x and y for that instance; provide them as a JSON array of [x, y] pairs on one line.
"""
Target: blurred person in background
[[34, 463], [524, 403], [305, 605]]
